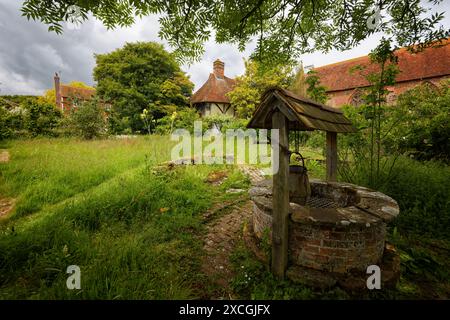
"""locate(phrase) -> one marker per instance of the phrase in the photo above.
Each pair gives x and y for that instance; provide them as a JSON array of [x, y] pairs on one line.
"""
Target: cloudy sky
[[30, 55]]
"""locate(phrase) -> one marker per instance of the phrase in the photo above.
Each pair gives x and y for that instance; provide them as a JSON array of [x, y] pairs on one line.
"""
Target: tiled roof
[[74, 92], [214, 90], [432, 62]]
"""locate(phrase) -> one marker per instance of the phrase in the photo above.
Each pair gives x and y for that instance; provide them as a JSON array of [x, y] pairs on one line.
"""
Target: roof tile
[[430, 63], [214, 90]]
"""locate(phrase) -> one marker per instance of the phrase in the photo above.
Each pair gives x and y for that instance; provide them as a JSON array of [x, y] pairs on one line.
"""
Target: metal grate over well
[[319, 202]]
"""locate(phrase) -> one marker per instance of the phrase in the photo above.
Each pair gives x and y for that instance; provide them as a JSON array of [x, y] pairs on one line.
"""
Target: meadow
[[136, 229], [134, 232]]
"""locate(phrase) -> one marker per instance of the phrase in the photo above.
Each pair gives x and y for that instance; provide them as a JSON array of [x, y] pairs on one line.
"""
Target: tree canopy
[[141, 76], [250, 86], [283, 29], [420, 124], [308, 85]]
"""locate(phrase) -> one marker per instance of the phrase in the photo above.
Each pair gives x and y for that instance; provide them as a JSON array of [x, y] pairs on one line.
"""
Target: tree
[[314, 89], [420, 122], [249, 87], [309, 85], [141, 76], [284, 29], [299, 83], [49, 96], [87, 120], [372, 116], [384, 56]]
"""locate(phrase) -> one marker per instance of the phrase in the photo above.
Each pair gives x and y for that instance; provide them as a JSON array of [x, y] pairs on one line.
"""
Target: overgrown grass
[[133, 238], [134, 230], [254, 280], [47, 171], [421, 190]]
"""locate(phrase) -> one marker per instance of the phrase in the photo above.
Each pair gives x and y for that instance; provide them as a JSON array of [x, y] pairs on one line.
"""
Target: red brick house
[[211, 98], [343, 87], [67, 96]]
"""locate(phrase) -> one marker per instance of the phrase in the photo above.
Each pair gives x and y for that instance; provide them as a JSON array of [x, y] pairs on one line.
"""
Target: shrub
[[421, 123], [223, 122], [39, 118], [180, 119], [5, 130], [118, 125], [421, 190], [419, 187], [314, 139], [87, 120], [16, 119]]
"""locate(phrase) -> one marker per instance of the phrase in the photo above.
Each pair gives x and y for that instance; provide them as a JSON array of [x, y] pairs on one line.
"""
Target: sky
[[30, 54]]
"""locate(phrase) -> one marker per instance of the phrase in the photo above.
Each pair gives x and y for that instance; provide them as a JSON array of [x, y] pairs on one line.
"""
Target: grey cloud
[[29, 54]]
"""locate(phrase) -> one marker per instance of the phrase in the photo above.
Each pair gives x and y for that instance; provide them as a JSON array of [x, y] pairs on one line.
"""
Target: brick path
[[223, 235], [254, 174]]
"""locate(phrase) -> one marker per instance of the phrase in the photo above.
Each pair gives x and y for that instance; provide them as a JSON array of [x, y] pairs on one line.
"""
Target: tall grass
[[134, 230], [422, 192], [125, 244], [46, 171], [420, 188]]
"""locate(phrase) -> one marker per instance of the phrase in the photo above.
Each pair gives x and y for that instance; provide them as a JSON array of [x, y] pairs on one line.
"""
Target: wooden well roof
[[303, 114]]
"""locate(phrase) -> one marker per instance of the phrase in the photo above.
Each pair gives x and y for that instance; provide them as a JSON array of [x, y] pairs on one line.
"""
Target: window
[[357, 98]]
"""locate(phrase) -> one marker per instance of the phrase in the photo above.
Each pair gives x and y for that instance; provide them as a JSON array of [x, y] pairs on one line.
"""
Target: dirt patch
[[4, 156], [217, 177], [6, 206]]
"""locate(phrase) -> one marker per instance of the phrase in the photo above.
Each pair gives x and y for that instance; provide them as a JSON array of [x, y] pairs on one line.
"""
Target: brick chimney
[[219, 69], [57, 90]]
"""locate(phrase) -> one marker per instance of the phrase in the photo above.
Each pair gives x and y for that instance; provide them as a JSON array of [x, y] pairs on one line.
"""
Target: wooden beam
[[332, 158], [280, 200]]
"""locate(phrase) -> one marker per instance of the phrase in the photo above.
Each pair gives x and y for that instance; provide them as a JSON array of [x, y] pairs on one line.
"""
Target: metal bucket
[[299, 188]]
